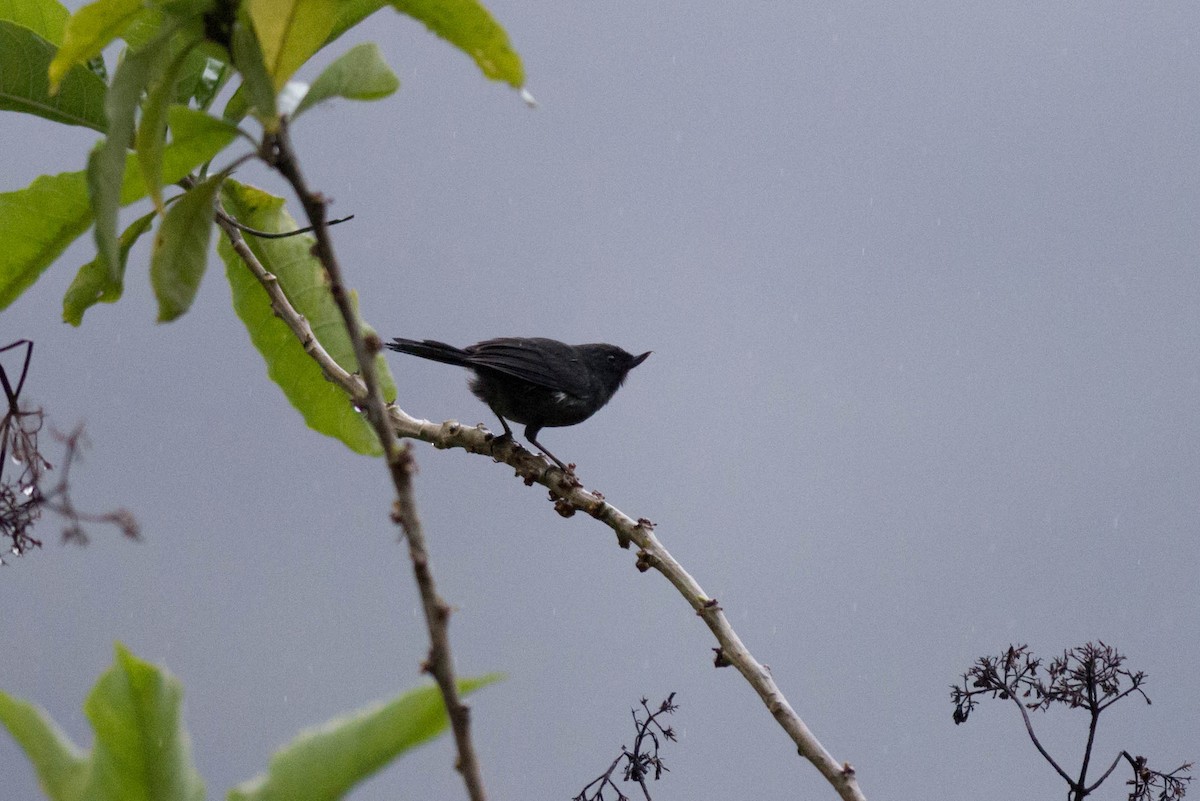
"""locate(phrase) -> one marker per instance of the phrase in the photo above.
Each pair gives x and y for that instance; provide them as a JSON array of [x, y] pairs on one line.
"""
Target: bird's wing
[[544, 362]]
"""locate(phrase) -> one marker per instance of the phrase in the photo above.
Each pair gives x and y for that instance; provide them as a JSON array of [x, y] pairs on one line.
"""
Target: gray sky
[[921, 284]]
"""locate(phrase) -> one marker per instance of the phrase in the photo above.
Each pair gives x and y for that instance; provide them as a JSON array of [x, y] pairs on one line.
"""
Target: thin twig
[[279, 153], [276, 234], [1094, 712], [1037, 743], [1107, 773]]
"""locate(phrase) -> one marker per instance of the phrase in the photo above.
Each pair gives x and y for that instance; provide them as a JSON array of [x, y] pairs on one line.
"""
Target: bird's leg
[[507, 431], [507, 436], [531, 435]]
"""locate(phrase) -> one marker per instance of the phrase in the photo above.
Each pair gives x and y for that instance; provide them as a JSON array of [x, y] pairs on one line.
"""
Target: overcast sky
[[921, 281]]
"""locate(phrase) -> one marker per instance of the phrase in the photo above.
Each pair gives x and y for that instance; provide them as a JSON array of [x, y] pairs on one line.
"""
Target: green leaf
[[181, 249], [89, 31], [106, 165], [238, 105], [142, 750], [202, 78], [143, 27], [38, 222], [468, 26], [350, 13], [24, 58], [324, 406], [257, 92], [151, 136], [190, 127], [361, 74], [61, 767], [94, 285], [46, 18], [289, 31], [323, 763]]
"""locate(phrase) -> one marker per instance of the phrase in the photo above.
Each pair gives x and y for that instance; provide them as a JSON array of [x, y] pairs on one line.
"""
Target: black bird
[[540, 383]]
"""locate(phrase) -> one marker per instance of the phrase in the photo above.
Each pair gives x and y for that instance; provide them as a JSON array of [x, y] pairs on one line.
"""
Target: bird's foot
[[501, 441]]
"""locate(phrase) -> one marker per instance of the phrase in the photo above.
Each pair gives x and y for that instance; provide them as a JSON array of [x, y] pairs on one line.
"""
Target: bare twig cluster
[[1091, 677], [641, 760], [23, 493]]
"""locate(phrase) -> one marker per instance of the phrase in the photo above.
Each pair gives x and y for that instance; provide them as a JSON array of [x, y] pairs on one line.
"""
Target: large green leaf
[[360, 74], [89, 31], [93, 284], [61, 767], [24, 58], [323, 763], [181, 249], [289, 31], [142, 750], [38, 222], [46, 18], [467, 25], [324, 406]]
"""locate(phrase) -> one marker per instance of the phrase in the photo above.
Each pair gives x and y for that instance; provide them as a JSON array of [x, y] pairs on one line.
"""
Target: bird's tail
[[431, 349]]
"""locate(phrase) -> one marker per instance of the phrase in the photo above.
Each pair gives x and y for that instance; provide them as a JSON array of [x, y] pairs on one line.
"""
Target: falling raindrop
[[529, 99]]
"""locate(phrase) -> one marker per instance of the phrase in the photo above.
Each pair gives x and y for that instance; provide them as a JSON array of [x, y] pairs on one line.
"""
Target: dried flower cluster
[[23, 491], [1091, 677], [640, 761]]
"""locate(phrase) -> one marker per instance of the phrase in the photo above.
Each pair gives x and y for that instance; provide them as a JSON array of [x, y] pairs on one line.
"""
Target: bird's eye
[[612, 359]]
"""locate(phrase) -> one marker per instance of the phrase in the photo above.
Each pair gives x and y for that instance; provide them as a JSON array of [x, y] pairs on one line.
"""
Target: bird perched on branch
[[540, 383]]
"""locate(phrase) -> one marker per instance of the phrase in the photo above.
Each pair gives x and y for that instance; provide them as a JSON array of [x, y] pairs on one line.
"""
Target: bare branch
[[569, 497], [365, 392]]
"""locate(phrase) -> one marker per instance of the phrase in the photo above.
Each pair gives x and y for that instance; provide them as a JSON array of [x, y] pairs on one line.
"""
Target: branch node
[[563, 506], [646, 560]]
